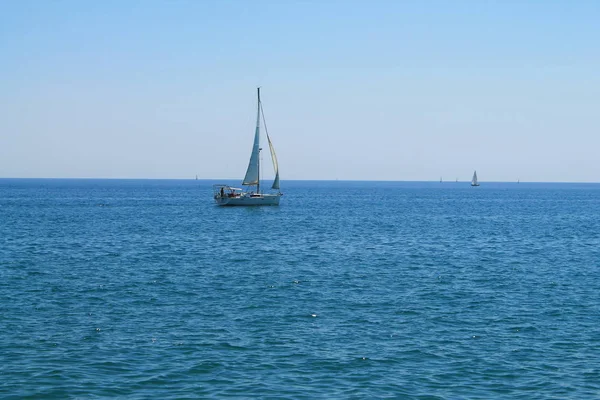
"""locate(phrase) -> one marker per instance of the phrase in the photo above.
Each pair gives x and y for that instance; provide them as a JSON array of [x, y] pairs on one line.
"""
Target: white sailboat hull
[[249, 200]]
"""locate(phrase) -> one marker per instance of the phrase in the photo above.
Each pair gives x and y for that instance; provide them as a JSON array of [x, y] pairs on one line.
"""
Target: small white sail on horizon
[[474, 180]]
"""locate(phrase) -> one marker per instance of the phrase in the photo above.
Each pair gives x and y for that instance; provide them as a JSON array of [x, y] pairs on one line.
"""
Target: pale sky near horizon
[[353, 90]]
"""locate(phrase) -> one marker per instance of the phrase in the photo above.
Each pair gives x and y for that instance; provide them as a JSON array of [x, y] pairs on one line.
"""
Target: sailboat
[[474, 180], [226, 195]]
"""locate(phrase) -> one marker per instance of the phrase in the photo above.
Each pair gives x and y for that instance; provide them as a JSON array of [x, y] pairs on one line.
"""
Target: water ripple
[[383, 290]]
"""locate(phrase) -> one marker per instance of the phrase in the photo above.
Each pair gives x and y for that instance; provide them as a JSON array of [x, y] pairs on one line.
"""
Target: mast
[[257, 130]]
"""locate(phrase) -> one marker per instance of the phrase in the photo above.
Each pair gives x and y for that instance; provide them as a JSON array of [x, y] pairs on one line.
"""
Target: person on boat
[[222, 192]]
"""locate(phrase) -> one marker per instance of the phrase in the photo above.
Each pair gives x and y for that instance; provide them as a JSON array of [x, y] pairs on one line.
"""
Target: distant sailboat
[[440, 179], [226, 195], [474, 180], [196, 177]]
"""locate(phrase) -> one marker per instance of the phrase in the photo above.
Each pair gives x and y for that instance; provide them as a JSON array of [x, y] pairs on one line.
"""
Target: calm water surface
[[142, 288]]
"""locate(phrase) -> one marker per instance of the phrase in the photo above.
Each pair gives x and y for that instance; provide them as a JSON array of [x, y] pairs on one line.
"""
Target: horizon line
[[291, 180]]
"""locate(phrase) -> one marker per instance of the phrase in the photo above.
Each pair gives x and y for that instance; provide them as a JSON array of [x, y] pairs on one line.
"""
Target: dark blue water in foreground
[[139, 289]]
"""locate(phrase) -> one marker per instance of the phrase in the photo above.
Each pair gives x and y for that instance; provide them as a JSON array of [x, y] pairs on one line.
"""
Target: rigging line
[[264, 121]]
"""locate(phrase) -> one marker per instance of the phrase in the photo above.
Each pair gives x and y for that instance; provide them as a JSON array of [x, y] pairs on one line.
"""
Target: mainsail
[[252, 173], [474, 180]]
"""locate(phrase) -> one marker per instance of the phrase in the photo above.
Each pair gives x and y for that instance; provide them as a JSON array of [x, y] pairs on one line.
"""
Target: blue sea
[[145, 289]]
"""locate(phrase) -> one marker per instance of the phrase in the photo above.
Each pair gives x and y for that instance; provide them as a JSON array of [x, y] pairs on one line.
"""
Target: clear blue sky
[[384, 90]]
